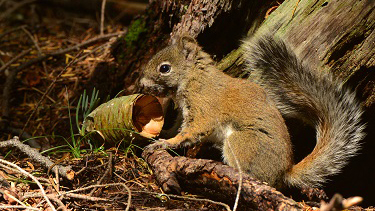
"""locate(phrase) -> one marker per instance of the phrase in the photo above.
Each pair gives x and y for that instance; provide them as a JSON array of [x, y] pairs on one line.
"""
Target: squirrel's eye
[[165, 68]]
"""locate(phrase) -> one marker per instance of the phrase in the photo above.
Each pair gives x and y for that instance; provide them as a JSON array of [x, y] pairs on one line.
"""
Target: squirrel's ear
[[188, 45]]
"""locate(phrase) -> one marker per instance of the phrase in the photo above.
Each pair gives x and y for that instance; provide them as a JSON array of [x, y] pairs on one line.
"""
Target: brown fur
[[237, 115]]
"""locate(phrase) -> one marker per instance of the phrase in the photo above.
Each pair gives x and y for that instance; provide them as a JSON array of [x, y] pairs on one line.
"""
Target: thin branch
[[16, 207], [59, 202], [25, 136], [106, 185], [53, 197], [13, 73], [102, 17], [20, 55], [36, 46], [339, 203], [18, 201], [33, 178], [67, 172], [107, 171], [72, 194], [33, 40], [187, 198], [47, 91], [11, 31]]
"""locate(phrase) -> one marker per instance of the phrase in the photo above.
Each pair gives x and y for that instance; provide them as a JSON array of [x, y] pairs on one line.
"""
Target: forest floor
[[41, 103], [48, 55]]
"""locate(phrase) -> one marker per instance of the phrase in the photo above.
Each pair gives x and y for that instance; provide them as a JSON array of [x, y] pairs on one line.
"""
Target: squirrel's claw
[[161, 144]]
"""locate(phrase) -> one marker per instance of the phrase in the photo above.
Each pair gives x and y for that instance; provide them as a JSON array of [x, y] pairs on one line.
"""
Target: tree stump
[[335, 36]]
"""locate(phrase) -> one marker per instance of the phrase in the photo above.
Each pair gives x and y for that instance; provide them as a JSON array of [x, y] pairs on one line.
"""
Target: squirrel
[[244, 118]]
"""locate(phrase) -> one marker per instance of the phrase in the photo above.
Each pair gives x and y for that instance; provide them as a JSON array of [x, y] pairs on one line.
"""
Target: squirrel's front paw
[[161, 144]]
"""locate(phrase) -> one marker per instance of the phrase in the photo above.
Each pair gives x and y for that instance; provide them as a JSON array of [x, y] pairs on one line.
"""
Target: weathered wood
[[213, 180], [337, 36]]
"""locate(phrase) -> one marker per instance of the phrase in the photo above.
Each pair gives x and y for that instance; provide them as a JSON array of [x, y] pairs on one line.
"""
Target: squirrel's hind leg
[[261, 159]]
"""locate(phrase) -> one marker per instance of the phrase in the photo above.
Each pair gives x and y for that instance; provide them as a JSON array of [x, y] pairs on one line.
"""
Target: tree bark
[[337, 36], [214, 180], [217, 24]]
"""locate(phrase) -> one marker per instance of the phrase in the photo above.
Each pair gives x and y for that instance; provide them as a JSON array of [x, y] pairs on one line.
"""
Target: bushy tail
[[316, 98]]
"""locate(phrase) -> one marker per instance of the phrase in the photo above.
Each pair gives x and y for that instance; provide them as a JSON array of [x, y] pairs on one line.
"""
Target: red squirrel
[[244, 117]]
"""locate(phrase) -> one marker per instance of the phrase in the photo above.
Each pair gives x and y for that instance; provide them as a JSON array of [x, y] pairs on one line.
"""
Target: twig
[[65, 194], [107, 171], [20, 55], [106, 185], [25, 136], [40, 92], [88, 42], [56, 183], [339, 203], [86, 197], [100, 47], [35, 155], [11, 31], [128, 181], [47, 91], [18, 201], [187, 198], [33, 178], [72, 194], [36, 46], [33, 40], [12, 75], [14, 8], [102, 17], [59, 202], [16, 207]]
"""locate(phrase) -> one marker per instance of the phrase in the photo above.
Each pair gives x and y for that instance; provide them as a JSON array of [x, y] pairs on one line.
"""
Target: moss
[[135, 30]]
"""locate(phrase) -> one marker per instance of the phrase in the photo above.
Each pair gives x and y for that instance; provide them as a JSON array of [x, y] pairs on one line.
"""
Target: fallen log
[[214, 180]]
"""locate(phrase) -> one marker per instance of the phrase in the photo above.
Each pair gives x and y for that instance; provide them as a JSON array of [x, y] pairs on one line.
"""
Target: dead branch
[[36, 46], [20, 55], [16, 207], [339, 203], [107, 185], [70, 195], [214, 180], [32, 177], [16, 131], [102, 17], [73, 194], [161, 196], [65, 171], [59, 202]]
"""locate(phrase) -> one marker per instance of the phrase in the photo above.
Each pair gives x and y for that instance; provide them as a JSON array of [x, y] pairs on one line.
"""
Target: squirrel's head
[[168, 69]]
